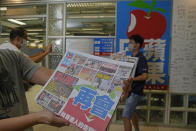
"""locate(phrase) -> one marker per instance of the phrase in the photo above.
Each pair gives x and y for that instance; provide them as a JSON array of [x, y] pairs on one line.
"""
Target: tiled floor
[[113, 127], [33, 107]]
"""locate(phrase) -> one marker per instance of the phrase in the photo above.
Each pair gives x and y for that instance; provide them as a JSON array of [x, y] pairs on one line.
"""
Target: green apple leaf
[[151, 7], [139, 4], [143, 5], [153, 3], [159, 9]]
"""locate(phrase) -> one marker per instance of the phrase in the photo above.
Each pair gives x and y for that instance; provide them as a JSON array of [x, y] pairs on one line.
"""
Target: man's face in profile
[[21, 40]]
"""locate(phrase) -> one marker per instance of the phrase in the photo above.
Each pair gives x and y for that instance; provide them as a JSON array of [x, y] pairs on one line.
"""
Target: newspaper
[[122, 56], [85, 89]]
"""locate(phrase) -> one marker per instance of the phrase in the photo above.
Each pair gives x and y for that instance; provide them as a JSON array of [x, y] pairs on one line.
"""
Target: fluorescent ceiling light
[[37, 41], [4, 33], [28, 19], [97, 16], [33, 33], [3, 8], [16, 21], [40, 46], [40, 36], [92, 29], [8, 24], [32, 45]]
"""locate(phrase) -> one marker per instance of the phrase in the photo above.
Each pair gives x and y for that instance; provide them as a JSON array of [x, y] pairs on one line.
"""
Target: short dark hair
[[137, 39], [18, 31]]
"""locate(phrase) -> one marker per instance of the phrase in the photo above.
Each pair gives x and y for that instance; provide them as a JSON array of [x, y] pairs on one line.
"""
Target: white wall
[[82, 45]]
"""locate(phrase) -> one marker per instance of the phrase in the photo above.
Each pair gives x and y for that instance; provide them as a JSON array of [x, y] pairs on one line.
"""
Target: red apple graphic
[[148, 25]]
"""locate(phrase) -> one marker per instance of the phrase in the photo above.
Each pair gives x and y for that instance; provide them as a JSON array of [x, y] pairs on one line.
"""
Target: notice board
[[183, 48]]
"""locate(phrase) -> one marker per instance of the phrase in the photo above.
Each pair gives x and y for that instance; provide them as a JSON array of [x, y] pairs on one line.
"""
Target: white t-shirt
[[10, 46]]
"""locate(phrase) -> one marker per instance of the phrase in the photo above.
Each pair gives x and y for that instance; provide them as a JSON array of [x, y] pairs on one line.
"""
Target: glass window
[[55, 11], [4, 36], [176, 117], [90, 19], [55, 20], [192, 101], [119, 112], [156, 116], [177, 100], [158, 100], [23, 10], [122, 103], [57, 45], [36, 31], [142, 114], [54, 61], [192, 118], [35, 28], [55, 28], [143, 100]]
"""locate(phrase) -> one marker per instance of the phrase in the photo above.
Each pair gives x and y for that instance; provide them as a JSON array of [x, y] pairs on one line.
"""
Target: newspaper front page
[[85, 89]]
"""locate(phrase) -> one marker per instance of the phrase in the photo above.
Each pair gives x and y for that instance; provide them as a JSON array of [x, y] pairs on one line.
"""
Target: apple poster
[[151, 19]]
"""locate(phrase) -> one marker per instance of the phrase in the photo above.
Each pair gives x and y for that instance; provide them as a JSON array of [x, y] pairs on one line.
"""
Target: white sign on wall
[[183, 51]]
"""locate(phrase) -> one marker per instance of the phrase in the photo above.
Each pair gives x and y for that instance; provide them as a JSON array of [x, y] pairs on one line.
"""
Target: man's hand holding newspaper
[[126, 89]]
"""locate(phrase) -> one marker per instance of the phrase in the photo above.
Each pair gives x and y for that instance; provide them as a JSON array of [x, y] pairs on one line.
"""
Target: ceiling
[[6, 2]]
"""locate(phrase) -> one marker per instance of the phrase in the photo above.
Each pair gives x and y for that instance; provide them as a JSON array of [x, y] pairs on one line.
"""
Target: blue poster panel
[[103, 46], [151, 19]]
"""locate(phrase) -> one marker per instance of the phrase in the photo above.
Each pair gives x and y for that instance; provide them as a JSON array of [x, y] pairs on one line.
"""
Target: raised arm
[[38, 57]]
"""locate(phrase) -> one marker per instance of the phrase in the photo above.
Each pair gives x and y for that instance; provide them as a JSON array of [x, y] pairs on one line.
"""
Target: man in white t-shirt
[[18, 36]]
